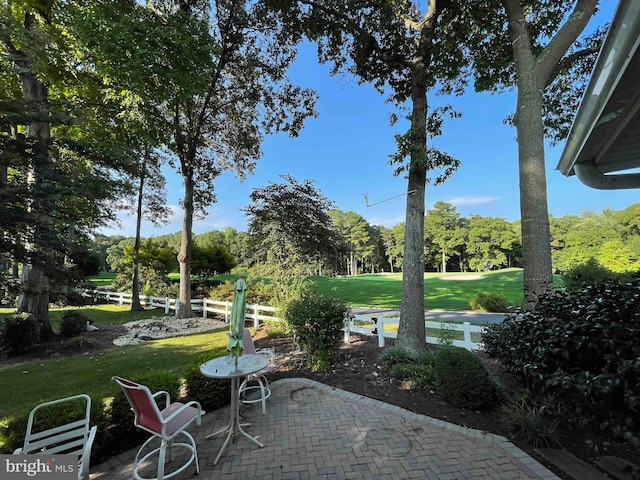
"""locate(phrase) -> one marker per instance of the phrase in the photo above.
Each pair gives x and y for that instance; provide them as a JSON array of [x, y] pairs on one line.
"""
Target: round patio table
[[228, 367]]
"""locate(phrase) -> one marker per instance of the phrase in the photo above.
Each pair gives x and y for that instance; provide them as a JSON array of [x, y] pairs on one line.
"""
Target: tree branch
[[569, 60], [550, 56]]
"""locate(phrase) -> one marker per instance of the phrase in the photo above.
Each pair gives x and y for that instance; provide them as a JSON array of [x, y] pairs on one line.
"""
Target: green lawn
[[25, 385], [385, 290]]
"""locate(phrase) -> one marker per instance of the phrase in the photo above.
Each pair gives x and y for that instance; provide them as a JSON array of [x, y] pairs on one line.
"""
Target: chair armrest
[[18, 451], [167, 399], [86, 453]]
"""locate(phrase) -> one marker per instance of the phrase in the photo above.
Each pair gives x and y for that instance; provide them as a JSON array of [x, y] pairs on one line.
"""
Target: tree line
[[310, 237]]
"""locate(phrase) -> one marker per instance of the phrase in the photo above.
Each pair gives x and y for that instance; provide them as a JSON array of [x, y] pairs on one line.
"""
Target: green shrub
[[416, 371], [211, 393], [463, 379], [18, 333], [73, 323], [489, 302], [579, 350], [528, 424], [589, 273], [318, 321]]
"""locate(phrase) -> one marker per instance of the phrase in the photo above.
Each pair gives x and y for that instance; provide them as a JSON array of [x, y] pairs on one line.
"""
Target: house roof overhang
[[605, 136]]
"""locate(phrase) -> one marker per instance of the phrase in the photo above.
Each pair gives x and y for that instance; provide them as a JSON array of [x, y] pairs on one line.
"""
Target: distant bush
[[318, 321], [18, 333], [489, 302], [579, 350], [589, 273], [73, 323], [463, 379]]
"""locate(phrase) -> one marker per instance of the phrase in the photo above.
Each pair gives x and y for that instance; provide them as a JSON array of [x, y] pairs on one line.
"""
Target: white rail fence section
[[375, 325], [365, 324], [257, 313]]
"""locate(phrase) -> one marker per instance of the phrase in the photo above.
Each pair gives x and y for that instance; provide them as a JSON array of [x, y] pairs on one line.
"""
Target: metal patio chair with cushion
[[165, 424], [255, 387], [47, 436]]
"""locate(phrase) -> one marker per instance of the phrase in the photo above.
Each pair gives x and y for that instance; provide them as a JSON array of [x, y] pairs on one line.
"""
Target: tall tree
[[290, 227], [442, 224], [247, 96], [397, 47], [534, 46]]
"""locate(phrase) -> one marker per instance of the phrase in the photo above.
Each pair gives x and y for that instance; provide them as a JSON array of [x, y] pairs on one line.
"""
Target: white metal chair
[[165, 424], [255, 387], [73, 438]]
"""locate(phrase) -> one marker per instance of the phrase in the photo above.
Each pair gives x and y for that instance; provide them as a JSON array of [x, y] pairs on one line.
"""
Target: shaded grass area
[[25, 385]]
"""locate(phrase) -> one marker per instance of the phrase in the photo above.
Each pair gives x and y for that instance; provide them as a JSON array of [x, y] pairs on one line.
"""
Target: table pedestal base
[[234, 423]]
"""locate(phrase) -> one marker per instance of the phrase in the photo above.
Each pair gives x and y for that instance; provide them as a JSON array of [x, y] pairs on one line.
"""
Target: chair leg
[[161, 459]]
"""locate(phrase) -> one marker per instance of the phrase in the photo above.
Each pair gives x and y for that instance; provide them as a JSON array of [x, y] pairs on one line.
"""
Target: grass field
[[449, 291]]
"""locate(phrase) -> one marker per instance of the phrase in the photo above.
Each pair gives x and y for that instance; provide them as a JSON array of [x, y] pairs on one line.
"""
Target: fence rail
[[365, 324], [375, 325], [257, 313]]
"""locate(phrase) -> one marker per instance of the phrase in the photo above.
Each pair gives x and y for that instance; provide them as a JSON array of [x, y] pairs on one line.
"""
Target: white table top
[[225, 367]]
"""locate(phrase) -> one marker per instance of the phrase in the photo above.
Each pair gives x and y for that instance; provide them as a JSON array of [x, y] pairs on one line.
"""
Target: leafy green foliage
[[589, 273], [417, 371], [318, 321], [210, 260], [463, 379], [73, 323], [489, 302], [580, 350], [530, 425], [18, 333]]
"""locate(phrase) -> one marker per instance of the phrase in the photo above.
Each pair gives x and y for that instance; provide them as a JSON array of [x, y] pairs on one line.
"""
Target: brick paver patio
[[313, 431]]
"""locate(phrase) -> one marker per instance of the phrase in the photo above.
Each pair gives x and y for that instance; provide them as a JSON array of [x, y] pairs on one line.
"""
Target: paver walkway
[[314, 431]]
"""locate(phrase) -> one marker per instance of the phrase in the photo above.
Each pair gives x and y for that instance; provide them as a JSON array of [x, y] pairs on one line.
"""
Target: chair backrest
[[247, 342], [63, 438], [147, 414]]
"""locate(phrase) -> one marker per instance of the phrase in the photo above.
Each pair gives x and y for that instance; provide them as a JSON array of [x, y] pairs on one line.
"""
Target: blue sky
[[345, 151]]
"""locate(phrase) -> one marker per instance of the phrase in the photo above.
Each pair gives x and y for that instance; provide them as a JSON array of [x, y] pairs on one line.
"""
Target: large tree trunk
[[411, 331], [136, 306], [35, 296], [536, 243], [535, 70], [183, 307]]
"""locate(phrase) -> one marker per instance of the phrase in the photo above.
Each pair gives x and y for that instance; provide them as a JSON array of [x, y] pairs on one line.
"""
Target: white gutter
[[619, 46]]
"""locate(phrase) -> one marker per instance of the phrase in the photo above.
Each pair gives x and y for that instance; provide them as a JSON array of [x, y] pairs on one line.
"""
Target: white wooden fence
[[257, 313], [366, 324], [375, 325]]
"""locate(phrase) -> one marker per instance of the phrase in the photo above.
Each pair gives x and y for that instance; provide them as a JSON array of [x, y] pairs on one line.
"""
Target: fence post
[[204, 307], [380, 332], [467, 335], [226, 312], [256, 322], [167, 305], [347, 329]]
